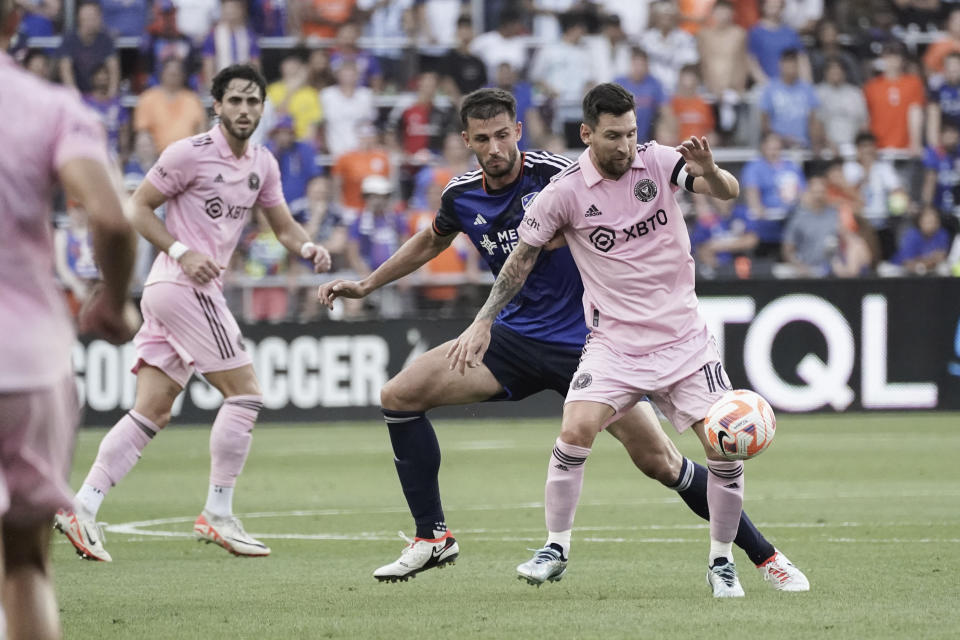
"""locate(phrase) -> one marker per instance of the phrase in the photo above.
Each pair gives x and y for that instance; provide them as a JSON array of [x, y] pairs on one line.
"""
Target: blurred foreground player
[[48, 135], [210, 183], [537, 341]]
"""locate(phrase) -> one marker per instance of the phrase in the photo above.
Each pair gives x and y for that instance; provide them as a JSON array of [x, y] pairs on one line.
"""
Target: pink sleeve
[[667, 159], [79, 135], [544, 217], [172, 172], [271, 193]]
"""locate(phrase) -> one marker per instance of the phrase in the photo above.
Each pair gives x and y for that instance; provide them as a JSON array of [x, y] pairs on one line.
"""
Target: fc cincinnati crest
[[645, 190], [526, 200], [582, 381], [253, 181]]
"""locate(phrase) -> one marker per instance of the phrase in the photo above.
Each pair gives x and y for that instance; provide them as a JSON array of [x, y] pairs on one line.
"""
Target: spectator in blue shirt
[[114, 116], [648, 93], [772, 186], [788, 105], [125, 17], [941, 180], [39, 18], [297, 160], [83, 51], [769, 38], [269, 17], [367, 64], [165, 41], [943, 103], [923, 248], [721, 232]]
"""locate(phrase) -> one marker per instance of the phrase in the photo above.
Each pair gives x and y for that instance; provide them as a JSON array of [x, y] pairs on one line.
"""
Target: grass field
[[867, 506]]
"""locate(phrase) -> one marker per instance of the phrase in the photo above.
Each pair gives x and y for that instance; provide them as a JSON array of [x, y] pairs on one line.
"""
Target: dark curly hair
[[234, 71]]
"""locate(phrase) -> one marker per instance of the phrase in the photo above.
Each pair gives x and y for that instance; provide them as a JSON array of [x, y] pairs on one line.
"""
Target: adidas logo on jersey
[[219, 178], [479, 220], [592, 211]]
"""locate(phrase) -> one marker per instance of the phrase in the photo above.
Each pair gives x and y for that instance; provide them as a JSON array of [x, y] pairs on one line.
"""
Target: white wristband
[[177, 249], [304, 247]]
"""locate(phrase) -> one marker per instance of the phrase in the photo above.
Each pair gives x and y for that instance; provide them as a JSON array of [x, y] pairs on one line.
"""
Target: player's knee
[[398, 394], [580, 434]]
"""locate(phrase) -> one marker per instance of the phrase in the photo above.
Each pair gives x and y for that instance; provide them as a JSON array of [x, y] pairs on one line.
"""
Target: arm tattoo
[[511, 279]]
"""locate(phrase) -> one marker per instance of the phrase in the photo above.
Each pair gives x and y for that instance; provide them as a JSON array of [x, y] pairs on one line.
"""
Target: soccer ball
[[740, 425]]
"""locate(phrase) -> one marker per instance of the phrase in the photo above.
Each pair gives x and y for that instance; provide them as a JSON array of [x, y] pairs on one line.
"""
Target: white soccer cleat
[[547, 565], [722, 576], [419, 555], [228, 533], [84, 534], [782, 574]]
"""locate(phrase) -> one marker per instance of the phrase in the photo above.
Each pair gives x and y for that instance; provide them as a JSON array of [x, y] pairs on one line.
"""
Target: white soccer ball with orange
[[740, 425]]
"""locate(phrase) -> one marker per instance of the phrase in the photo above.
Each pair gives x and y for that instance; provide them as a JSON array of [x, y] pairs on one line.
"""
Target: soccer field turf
[[867, 505]]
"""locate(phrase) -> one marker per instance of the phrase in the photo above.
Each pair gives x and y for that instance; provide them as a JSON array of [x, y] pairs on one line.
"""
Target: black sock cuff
[[399, 417]]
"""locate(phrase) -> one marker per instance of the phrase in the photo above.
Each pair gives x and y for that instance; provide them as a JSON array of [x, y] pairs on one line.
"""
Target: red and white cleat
[[782, 574], [228, 533], [83, 533]]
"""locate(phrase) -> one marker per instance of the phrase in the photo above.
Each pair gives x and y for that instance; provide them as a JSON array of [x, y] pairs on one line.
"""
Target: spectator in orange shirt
[[895, 101], [322, 18], [460, 258], [694, 117], [352, 167], [949, 43], [168, 112], [694, 14]]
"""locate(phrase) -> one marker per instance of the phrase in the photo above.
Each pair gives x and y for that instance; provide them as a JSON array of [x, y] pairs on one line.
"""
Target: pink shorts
[[37, 433], [682, 380], [186, 328]]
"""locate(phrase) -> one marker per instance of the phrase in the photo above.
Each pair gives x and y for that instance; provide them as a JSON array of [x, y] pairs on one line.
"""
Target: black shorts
[[525, 366]]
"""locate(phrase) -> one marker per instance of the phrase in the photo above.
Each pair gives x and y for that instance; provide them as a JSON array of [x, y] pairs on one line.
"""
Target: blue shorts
[[525, 366]]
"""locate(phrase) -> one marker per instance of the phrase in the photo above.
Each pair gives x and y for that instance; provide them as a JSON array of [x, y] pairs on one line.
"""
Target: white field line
[[143, 528]]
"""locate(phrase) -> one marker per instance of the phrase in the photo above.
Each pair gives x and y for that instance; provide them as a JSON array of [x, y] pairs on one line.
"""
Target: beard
[[239, 134], [509, 162], [615, 167]]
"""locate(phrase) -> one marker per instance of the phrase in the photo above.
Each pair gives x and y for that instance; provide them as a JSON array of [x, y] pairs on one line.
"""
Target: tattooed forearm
[[512, 276]]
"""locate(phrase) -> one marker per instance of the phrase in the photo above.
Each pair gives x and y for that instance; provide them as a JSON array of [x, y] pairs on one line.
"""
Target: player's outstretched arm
[[108, 310], [413, 254], [292, 236], [708, 178], [469, 348]]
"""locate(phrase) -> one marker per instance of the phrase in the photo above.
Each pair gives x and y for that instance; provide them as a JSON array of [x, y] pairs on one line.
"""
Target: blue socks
[[416, 454]]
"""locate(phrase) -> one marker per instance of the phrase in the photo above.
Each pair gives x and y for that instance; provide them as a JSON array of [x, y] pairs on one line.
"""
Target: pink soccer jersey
[[631, 246], [42, 127], [210, 195]]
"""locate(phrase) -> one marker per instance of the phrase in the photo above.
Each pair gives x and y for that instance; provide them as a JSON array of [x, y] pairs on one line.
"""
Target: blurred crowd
[[841, 120]]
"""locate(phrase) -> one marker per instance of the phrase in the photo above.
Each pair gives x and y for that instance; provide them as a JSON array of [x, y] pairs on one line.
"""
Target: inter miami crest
[[582, 381], [645, 190], [253, 181]]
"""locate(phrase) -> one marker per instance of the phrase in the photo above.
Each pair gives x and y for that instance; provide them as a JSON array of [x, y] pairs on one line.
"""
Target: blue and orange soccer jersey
[[548, 308]]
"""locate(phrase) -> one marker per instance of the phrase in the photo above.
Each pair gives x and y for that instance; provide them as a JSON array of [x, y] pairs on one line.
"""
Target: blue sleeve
[[254, 46], [749, 176], [941, 241], [909, 246], [753, 43], [794, 40], [766, 99], [930, 159], [208, 48]]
